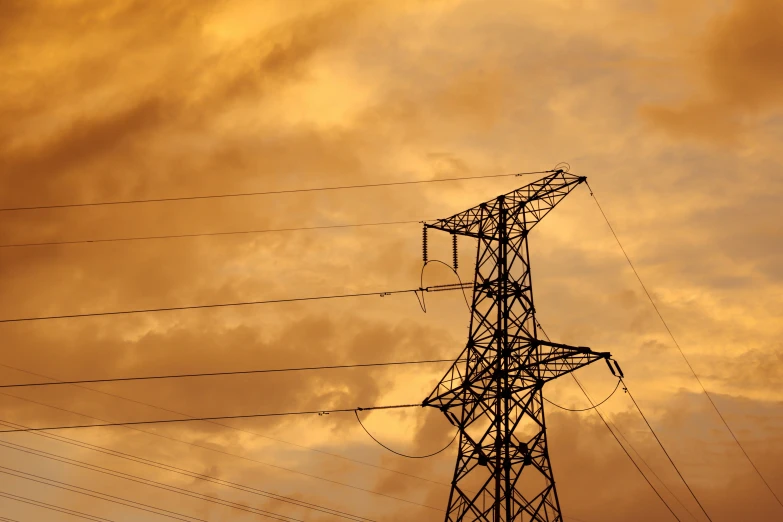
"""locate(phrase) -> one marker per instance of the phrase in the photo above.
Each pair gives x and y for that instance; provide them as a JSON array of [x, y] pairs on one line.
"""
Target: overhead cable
[[679, 349], [52, 507], [626, 440], [219, 417], [105, 497], [196, 445], [227, 426], [228, 305], [205, 234], [267, 192], [648, 466], [617, 386], [174, 489], [138, 505], [598, 412], [644, 417], [444, 448], [214, 374]]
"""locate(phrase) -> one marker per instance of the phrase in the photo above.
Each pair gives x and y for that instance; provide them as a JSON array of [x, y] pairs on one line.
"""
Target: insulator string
[[424, 244], [454, 248]]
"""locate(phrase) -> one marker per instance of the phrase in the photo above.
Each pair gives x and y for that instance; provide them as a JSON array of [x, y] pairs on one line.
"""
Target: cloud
[[123, 100], [738, 62], [745, 48]]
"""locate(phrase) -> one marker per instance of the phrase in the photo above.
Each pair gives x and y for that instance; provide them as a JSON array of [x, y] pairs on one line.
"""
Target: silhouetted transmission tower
[[493, 392]]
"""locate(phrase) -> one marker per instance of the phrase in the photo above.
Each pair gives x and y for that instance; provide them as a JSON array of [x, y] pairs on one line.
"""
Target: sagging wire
[[614, 435], [660, 444], [440, 288], [563, 165], [606, 423], [594, 406], [220, 417], [381, 444], [682, 353]]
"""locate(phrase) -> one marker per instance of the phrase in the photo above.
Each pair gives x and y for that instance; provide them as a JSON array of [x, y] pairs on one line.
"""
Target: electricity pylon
[[492, 393]]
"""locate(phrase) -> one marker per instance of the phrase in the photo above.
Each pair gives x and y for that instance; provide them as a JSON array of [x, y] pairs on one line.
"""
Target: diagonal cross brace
[[536, 199]]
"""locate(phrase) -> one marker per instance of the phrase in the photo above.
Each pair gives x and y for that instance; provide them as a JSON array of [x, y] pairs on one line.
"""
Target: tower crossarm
[[525, 206], [553, 360], [531, 365]]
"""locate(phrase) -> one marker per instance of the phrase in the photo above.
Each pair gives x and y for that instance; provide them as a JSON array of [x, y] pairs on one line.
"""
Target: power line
[[175, 489], [679, 349], [227, 305], [220, 417], [666, 452], [620, 381], [206, 234], [52, 507], [267, 192], [214, 374], [625, 388], [402, 454], [208, 448], [628, 442], [343, 457], [579, 409], [598, 412], [263, 371], [108, 498], [138, 505]]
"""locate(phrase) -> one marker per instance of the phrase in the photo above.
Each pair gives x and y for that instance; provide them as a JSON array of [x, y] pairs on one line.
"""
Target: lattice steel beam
[[493, 392]]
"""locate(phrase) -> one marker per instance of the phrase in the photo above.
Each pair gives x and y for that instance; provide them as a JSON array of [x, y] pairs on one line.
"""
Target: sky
[[673, 110]]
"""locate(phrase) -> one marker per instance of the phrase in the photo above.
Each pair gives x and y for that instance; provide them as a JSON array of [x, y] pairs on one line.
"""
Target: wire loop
[[381, 444], [594, 406]]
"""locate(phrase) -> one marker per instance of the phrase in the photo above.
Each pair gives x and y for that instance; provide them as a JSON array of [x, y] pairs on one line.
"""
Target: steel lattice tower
[[492, 393]]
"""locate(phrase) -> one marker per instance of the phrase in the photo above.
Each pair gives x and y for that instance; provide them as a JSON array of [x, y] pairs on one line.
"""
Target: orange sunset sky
[[673, 109]]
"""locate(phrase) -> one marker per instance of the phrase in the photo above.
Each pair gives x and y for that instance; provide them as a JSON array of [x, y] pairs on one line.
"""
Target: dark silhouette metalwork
[[493, 391]]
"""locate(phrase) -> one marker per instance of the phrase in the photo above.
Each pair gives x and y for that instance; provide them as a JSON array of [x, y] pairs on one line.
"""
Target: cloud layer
[[672, 111]]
